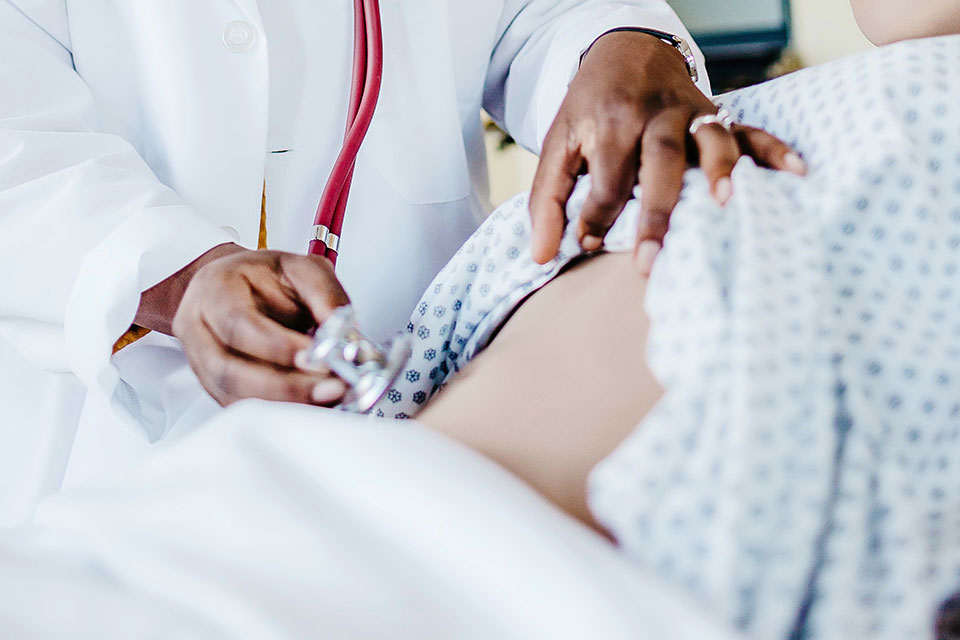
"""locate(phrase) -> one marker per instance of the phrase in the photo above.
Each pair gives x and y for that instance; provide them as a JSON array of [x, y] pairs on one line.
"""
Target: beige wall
[[823, 30]]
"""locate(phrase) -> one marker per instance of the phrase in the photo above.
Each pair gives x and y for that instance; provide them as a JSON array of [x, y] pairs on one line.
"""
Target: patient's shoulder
[[899, 95]]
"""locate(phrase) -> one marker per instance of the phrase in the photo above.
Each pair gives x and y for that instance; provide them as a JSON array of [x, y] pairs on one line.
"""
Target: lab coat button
[[239, 36], [233, 232]]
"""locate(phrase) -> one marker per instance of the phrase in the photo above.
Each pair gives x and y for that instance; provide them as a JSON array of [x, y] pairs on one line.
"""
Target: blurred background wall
[[822, 30]]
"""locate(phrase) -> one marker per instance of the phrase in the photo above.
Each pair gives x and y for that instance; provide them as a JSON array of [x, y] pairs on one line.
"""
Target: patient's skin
[[562, 385], [886, 21]]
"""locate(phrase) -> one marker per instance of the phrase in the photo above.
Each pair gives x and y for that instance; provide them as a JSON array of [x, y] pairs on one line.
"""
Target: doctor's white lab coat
[[134, 136]]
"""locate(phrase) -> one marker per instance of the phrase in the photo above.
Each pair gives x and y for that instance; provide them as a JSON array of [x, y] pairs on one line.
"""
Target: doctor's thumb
[[314, 283]]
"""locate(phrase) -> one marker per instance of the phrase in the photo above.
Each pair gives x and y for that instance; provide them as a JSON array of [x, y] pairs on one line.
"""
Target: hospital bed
[[323, 525]]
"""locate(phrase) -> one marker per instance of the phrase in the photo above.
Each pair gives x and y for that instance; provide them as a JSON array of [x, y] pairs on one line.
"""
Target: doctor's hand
[[626, 119], [243, 318]]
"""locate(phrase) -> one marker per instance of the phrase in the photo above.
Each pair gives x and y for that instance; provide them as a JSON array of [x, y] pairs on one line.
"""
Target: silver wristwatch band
[[674, 41]]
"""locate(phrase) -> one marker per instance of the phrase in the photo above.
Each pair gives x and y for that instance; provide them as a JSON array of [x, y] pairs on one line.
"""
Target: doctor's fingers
[[560, 166], [229, 377], [663, 163], [612, 159], [719, 154], [245, 330], [769, 151], [314, 283], [720, 150]]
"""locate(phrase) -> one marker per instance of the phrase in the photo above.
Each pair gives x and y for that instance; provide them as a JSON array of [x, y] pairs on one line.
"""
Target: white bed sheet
[[278, 521]]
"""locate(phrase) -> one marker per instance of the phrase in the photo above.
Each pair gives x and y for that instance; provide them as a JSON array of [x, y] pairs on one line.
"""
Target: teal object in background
[[740, 38]]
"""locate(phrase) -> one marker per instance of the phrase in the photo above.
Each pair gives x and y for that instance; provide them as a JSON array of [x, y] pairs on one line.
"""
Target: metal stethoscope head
[[368, 369]]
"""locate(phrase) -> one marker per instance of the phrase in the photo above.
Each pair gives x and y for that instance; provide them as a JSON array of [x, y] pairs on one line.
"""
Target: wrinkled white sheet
[[278, 521]]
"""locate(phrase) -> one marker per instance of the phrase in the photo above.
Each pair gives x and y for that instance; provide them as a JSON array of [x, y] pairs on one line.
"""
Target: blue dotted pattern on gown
[[802, 474]]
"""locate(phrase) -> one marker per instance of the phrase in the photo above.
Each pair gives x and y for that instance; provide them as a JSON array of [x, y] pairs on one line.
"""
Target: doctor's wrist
[[159, 304], [630, 46]]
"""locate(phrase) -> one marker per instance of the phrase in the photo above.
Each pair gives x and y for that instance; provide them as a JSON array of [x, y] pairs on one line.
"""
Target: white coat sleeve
[[539, 49], [81, 213]]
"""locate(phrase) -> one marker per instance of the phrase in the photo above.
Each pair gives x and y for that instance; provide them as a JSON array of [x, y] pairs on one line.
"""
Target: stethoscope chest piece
[[368, 369]]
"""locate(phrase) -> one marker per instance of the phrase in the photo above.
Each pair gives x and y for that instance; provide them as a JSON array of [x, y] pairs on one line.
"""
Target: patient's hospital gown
[[801, 476]]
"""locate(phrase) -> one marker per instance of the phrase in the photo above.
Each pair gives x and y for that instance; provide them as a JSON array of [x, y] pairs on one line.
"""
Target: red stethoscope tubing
[[364, 94]]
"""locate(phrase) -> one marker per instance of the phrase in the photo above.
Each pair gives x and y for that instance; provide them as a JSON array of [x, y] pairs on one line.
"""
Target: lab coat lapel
[[251, 9]]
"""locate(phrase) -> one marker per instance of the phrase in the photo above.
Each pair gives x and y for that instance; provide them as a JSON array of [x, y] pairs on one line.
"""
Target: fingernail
[[328, 391], [795, 164], [305, 361], [646, 255], [591, 243], [723, 191], [302, 360]]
